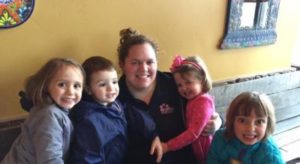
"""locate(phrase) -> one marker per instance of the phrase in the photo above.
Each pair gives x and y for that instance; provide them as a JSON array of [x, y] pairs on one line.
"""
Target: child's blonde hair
[[36, 86], [195, 66], [243, 105]]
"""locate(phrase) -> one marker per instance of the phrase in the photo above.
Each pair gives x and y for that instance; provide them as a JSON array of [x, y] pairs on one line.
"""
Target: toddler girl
[[46, 133], [250, 121], [193, 82]]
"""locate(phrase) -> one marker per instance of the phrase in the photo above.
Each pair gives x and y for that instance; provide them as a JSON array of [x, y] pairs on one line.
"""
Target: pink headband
[[179, 61]]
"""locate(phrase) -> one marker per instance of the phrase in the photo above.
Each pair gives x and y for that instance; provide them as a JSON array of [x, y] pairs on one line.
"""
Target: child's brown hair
[[94, 64]]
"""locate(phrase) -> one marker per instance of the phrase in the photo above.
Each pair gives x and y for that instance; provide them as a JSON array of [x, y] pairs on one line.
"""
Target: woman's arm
[[212, 125]]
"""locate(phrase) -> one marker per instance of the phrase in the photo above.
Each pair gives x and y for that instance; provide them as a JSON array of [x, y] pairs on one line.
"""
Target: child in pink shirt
[[193, 83]]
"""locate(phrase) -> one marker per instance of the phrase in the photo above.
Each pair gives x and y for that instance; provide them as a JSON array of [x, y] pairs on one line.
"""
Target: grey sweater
[[45, 138]]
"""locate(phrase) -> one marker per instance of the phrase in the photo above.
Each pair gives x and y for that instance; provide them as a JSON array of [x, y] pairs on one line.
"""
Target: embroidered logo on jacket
[[166, 109]]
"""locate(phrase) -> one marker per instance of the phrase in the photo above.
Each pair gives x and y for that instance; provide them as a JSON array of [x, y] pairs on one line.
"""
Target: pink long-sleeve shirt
[[198, 113]]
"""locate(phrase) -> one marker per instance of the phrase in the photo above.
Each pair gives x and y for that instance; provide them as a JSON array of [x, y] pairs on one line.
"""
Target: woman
[[145, 88]]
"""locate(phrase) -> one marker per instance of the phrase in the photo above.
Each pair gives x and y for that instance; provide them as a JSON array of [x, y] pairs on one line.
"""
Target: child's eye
[[178, 85], [77, 86], [102, 84], [241, 120], [260, 121], [115, 82], [189, 82], [61, 84]]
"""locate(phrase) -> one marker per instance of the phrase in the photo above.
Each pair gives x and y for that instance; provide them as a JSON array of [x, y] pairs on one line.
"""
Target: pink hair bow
[[178, 60]]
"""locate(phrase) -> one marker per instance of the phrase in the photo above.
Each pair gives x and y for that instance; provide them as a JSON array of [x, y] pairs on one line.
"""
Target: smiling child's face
[[250, 129], [104, 86]]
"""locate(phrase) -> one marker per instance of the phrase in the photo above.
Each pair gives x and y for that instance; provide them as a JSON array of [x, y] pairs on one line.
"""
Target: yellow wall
[[80, 29]]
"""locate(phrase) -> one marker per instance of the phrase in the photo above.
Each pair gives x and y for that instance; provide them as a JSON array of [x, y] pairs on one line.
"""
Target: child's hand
[[156, 148], [212, 125]]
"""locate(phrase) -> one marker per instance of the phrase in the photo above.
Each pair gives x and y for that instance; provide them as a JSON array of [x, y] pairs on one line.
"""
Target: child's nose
[[251, 126], [70, 90], [110, 87]]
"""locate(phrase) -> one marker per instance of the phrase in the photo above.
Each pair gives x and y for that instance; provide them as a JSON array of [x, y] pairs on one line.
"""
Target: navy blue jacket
[[166, 108], [100, 133]]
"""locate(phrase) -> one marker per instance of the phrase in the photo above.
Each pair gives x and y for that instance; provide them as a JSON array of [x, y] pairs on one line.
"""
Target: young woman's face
[[250, 129], [188, 87], [140, 66], [66, 87], [104, 86]]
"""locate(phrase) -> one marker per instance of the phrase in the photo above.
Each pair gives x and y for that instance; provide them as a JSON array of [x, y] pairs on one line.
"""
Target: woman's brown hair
[[129, 38]]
